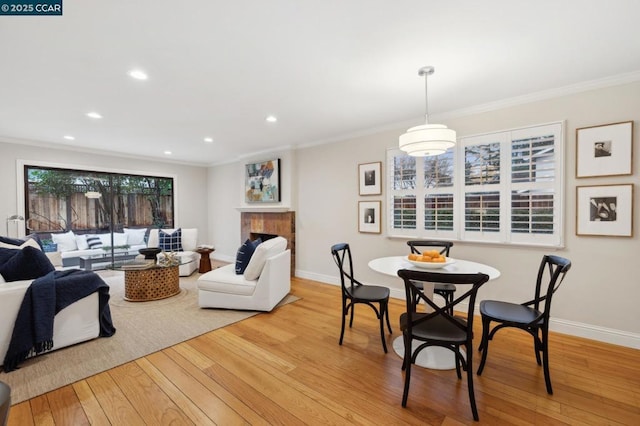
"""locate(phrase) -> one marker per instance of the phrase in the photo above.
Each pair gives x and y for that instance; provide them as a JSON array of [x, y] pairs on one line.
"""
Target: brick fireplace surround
[[255, 224]]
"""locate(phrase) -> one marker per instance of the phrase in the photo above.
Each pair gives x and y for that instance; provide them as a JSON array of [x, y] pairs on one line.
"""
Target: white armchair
[[189, 257], [260, 288]]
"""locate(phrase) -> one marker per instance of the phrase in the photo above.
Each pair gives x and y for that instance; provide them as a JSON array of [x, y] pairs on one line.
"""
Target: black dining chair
[[354, 292], [440, 327], [445, 290], [532, 316]]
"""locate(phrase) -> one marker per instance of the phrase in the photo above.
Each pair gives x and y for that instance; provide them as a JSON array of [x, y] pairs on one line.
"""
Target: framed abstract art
[[262, 182]]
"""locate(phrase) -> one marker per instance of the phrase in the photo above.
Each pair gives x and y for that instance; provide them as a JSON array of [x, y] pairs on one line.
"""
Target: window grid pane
[[438, 170], [482, 212], [404, 172], [532, 212], [533, 159], [438, 212], [482, 164], [404, 212]]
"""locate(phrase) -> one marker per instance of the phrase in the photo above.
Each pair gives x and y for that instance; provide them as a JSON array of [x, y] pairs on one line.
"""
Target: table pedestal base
[[434, 357]]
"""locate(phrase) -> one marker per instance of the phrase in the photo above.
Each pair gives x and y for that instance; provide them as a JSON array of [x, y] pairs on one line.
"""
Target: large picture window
[[503, 187], [60, 200]]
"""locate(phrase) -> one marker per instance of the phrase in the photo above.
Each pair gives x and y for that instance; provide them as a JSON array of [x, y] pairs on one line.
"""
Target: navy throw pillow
[[244, 255], [171, 242], [25, 264]]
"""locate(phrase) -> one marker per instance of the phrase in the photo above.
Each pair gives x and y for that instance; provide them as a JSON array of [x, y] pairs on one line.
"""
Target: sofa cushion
[[25, 264], [81, 242], [245, 252], [65, 242], [170, 241], [263, 252], [119, 239], [224, 280], [93, 242], [135, 236]]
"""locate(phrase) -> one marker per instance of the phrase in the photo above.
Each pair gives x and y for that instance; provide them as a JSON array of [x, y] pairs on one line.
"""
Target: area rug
[[142, 328]]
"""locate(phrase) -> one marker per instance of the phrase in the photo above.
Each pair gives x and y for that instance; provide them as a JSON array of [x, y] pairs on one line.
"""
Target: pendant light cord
[[426, 72]]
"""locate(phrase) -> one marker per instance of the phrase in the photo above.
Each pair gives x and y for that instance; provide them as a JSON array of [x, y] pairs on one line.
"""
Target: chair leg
[[537, 346], [383, 309], [458, 355], [545, 363], [484, 343], [406, 345], [344, 314], [386, 312], [353, 308], [472, 396], [407, 368]]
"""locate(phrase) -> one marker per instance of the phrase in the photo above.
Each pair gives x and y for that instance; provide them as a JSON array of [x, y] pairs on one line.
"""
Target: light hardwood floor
[[287, 368]]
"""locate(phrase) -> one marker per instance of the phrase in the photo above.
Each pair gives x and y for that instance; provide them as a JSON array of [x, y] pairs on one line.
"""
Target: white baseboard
[[572, 328]]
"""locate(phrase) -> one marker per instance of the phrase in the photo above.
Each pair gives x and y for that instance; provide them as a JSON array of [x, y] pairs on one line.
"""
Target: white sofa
[[72, 246], [76, 323], [189, 257], [263, 285]]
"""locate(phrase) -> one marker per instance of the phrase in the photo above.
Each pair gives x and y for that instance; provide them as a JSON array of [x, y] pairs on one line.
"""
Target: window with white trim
[[503, 187]]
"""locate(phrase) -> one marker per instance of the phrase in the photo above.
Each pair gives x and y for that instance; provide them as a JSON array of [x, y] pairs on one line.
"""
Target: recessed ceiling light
[[208, 139], [94, 114], [69, 138], [167, 153], [271, 119], [138, 74]]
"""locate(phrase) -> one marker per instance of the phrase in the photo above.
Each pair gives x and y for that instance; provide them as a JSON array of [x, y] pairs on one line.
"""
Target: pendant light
[[427, 139]]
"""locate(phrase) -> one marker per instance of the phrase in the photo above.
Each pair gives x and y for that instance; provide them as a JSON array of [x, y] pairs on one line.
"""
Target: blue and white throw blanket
[[45, 297]]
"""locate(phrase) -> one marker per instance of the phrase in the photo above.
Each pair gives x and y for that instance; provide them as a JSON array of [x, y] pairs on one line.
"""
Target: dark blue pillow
[[171, 242], [244, 255], [25, 264]]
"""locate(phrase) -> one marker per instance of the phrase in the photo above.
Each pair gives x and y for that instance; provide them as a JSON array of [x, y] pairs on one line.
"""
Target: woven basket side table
[[158, 282]]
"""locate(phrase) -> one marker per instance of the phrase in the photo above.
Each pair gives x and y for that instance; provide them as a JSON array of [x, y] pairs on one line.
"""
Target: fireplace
[[267, 225]]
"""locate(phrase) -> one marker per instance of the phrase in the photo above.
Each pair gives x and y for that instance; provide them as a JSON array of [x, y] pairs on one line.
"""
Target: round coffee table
[[154, 283]]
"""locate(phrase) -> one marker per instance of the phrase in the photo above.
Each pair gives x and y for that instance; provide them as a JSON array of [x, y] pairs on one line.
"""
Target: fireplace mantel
[[273, 223], [263, 209]]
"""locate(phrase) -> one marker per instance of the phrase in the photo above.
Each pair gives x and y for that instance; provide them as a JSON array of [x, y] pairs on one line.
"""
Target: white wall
[[600, 294], [190, 205]]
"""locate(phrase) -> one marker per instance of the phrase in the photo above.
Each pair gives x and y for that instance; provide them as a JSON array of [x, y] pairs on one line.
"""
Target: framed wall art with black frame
[[370, 177], [604, 150], [369, 217], [605, 210]]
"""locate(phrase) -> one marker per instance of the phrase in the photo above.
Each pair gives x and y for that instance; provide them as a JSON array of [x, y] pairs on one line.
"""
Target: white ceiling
[[326, 68]]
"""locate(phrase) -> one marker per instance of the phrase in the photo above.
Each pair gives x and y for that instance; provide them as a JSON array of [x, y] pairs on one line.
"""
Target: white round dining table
[[434, 357]]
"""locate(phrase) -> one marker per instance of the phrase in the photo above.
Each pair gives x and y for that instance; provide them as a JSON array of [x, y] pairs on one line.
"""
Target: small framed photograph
[[370, 178], [604, 150], [369, 219], [605, 210]]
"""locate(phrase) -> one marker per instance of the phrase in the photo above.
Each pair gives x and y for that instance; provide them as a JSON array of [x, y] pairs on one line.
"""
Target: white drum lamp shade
[[427, 139]]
